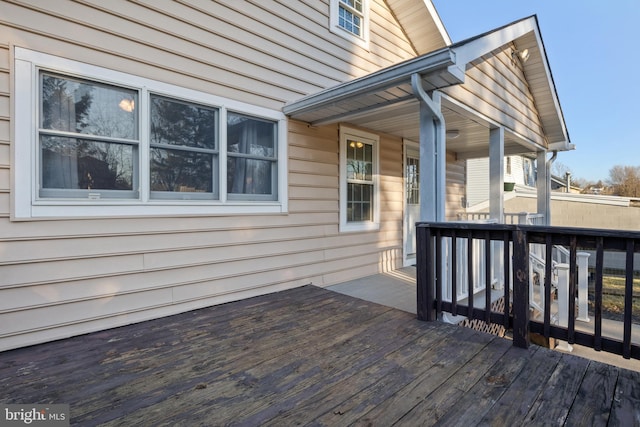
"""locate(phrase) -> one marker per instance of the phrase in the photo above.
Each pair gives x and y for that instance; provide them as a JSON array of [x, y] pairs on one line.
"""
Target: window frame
[[25, 202], [347, 133], [361, 40]]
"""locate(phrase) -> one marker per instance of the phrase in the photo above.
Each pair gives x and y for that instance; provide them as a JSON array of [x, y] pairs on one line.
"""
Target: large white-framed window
[[91, 141], [359, 180], [350, 19]]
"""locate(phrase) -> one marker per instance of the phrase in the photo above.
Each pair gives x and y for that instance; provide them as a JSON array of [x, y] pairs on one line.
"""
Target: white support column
[[543, 184], [496, 174], [432, 154], [428, 165]]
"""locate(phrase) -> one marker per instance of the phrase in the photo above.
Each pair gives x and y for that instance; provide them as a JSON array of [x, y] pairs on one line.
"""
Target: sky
[[593, 48]]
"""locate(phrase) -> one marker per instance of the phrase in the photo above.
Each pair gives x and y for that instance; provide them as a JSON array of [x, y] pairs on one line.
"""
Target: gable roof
[[389, 90]]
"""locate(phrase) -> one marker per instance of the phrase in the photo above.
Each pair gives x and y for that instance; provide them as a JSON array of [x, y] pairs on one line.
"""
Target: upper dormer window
[[350, 19], [350, 16]]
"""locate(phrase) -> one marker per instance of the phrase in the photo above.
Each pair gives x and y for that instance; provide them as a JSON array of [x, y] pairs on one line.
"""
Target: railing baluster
[[573, 266], [470, 276], [628, 300], [439, 278], [507, 277], [520, 289], [454, 272], [597, 342], [547, 285], [487, 278]]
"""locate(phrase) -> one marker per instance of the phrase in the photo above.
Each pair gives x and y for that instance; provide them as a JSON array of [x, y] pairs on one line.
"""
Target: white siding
[[496, 87]]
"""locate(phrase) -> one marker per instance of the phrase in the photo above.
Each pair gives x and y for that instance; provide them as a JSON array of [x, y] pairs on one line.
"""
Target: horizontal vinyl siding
[[496, 87], [261, 52]]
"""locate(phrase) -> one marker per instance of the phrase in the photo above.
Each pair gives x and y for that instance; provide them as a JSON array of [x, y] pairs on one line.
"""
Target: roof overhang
[[379, 90], [386, 96]]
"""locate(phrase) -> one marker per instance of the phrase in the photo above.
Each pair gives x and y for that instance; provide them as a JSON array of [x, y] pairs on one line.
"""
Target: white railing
[[509, 218], [559, 277]]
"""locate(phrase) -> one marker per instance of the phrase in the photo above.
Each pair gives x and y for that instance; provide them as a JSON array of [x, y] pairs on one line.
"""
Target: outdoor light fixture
[[453, 134], [356, 144], [522, 54]]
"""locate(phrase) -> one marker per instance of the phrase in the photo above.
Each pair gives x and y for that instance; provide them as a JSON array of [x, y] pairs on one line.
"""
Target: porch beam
[[496, 174]]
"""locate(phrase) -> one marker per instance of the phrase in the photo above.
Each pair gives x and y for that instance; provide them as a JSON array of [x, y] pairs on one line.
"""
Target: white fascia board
[[437, 21]]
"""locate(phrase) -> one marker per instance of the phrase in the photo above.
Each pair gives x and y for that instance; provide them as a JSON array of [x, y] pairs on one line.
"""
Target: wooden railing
[[517, 281]]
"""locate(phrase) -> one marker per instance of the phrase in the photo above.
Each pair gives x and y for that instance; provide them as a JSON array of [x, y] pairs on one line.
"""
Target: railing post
[[426, 267], [563, 302], [520, 288], [583, 286]]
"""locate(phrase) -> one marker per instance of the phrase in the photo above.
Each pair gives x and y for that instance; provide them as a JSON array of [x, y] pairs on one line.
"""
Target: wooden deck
[[312, 356]]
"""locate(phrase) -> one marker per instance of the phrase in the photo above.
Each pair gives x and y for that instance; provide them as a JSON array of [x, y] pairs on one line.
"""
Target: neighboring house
[[519, 170], [563, 183], [158, 157]]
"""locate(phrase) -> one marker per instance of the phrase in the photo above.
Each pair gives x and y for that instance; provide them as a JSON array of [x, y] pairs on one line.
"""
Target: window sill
[[110, 209]]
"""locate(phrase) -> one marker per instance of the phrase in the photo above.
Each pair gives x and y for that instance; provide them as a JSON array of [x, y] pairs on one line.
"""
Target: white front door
[[411, 201]]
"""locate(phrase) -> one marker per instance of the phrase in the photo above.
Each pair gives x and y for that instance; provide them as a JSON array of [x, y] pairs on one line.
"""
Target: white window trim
[[345, 134], [26, 205], [334, 24]]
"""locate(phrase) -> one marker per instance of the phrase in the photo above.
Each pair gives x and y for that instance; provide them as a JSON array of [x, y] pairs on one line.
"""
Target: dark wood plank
[[438, 387], [592, 404], [512, 407], [626, 401], [383, 362], [481, 398], [363, 392], [553, 404]]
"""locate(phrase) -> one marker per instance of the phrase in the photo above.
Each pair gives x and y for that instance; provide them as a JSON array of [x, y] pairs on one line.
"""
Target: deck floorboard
[[309, 356]]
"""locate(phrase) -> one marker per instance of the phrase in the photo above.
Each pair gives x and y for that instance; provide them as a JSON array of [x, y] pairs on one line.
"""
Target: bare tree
[[625, 180]]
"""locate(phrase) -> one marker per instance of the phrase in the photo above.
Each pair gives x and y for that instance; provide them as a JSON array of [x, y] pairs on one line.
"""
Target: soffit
[[421, 23]]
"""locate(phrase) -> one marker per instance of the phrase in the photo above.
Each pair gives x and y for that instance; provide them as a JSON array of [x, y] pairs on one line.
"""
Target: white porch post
[[543, 184], [496, 174], [432, 154]]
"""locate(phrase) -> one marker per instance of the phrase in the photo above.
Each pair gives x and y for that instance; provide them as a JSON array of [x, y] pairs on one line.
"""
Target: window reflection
[[251, 151], [183, 153]]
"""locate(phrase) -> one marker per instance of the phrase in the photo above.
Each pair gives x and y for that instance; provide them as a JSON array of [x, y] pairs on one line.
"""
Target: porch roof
[[384, 100]]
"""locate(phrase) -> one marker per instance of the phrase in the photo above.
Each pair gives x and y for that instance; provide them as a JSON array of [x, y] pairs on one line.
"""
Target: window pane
[[247, 135], [349, 21], [180, 123], [359, 160], [88, 108], [249, 176], [70, 163], [181, 171], [355, 4], [359, 202]]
